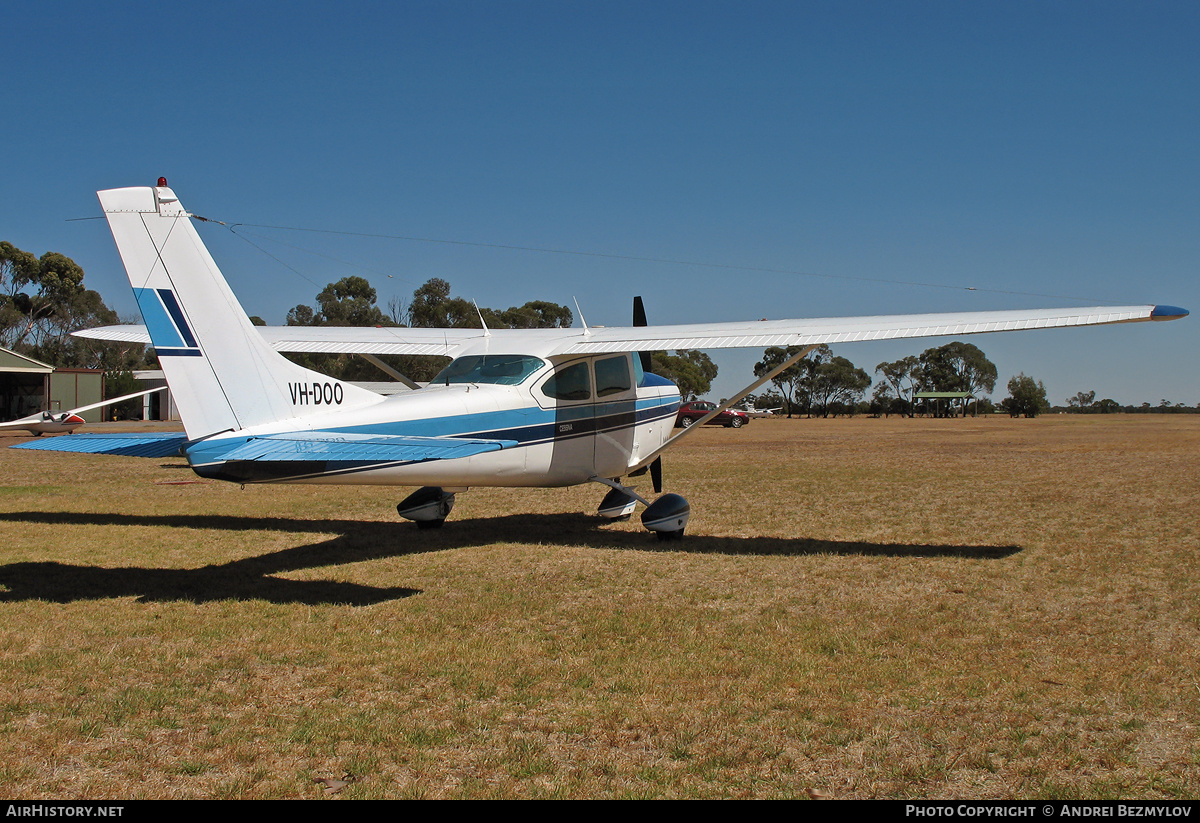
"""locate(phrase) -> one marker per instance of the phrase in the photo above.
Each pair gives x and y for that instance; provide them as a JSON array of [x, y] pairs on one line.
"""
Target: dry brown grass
[[868, 608]]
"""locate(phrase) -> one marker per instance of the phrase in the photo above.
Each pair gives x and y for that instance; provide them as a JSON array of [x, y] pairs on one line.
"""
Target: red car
[[689, 413]]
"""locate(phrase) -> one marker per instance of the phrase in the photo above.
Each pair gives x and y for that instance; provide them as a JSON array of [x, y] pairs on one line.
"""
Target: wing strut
[[737, 398], [384, 367]]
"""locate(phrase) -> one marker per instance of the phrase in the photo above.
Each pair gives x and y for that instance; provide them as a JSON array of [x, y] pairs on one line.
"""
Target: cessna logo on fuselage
[[316, 394]]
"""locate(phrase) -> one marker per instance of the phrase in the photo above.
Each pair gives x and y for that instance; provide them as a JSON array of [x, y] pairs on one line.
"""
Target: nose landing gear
[[667, 516]]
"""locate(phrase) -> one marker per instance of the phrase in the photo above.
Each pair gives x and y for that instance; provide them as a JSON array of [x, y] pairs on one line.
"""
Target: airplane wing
[[112, 401], [829, 330], [18, 425], [753, 334]]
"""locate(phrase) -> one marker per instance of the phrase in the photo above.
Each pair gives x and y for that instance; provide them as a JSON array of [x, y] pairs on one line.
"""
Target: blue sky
[[1032, 151]]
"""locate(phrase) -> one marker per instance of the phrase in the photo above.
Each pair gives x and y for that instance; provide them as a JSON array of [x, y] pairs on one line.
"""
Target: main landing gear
[[666, 517], [428, 507]]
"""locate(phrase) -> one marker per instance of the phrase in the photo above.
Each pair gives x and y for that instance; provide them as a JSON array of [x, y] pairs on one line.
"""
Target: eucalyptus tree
[[43, 300], [904, 376], [836, 381], [791, 382], [691, 370], [1027, 397]]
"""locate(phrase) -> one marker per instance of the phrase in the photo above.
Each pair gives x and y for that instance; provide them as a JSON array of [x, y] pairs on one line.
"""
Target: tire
[[736, 422], [686, 422]]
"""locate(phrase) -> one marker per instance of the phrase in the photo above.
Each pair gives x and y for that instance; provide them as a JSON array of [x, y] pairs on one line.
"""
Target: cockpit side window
[[501, 369], [612, 375], [572, 382]]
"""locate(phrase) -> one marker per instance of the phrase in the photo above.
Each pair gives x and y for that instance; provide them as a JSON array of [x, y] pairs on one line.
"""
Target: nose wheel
[[667, 516]]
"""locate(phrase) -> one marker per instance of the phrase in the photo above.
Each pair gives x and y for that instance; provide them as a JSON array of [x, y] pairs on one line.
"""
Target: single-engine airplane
[[534, 408], [52, 422]]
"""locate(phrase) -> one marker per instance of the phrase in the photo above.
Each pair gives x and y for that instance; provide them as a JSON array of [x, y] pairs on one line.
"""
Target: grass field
[[863, 608]]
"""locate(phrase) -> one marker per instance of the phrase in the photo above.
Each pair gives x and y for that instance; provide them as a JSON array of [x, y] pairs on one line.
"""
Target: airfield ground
[[863, 608]]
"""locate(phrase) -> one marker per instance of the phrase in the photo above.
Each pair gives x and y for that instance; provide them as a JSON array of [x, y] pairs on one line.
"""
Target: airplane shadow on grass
[[254, 578]]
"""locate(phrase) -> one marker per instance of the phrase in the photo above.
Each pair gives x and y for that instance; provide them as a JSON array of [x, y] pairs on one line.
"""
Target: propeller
[[639, 319], [656, 475]]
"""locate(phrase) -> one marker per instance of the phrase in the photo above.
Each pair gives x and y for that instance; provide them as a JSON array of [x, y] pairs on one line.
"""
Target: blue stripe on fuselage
[[528, 425]]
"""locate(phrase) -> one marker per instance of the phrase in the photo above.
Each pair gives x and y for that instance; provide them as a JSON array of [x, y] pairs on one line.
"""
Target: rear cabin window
[[612, 376], [571, 383]]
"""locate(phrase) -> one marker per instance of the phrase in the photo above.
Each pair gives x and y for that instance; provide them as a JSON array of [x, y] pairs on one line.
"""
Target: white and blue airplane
[[533, 408]]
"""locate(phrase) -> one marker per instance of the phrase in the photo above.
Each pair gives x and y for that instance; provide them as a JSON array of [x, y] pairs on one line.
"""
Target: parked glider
[[542, 407], [52, 422]]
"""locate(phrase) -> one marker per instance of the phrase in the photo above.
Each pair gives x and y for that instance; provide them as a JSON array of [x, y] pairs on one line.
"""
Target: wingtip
[[1168, 313]]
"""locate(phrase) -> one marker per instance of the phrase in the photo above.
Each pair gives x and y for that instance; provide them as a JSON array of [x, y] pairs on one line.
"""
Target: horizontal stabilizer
[[343, 447], [158, 444]]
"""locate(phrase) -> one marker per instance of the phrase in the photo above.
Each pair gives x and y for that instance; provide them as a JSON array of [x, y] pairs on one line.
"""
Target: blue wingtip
[[1168, 313]]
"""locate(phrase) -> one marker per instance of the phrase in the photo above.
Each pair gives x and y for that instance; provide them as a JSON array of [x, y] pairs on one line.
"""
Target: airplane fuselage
[[601, 427]]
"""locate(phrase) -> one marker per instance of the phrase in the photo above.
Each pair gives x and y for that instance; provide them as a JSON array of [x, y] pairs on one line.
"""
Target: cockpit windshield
[[501, 369]]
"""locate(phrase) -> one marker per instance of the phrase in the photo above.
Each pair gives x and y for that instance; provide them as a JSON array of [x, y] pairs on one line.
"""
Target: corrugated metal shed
[[10, 361]]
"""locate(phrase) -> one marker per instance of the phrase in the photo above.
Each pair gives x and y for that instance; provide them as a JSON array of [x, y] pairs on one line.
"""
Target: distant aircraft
[[51, 422], [533, 408]]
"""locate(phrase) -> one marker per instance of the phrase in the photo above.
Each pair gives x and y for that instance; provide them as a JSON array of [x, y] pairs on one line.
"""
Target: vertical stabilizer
[[222, 374]]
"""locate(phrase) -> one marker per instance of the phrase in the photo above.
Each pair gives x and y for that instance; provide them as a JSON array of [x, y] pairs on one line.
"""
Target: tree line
[[1086, 403], [823, 384]]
